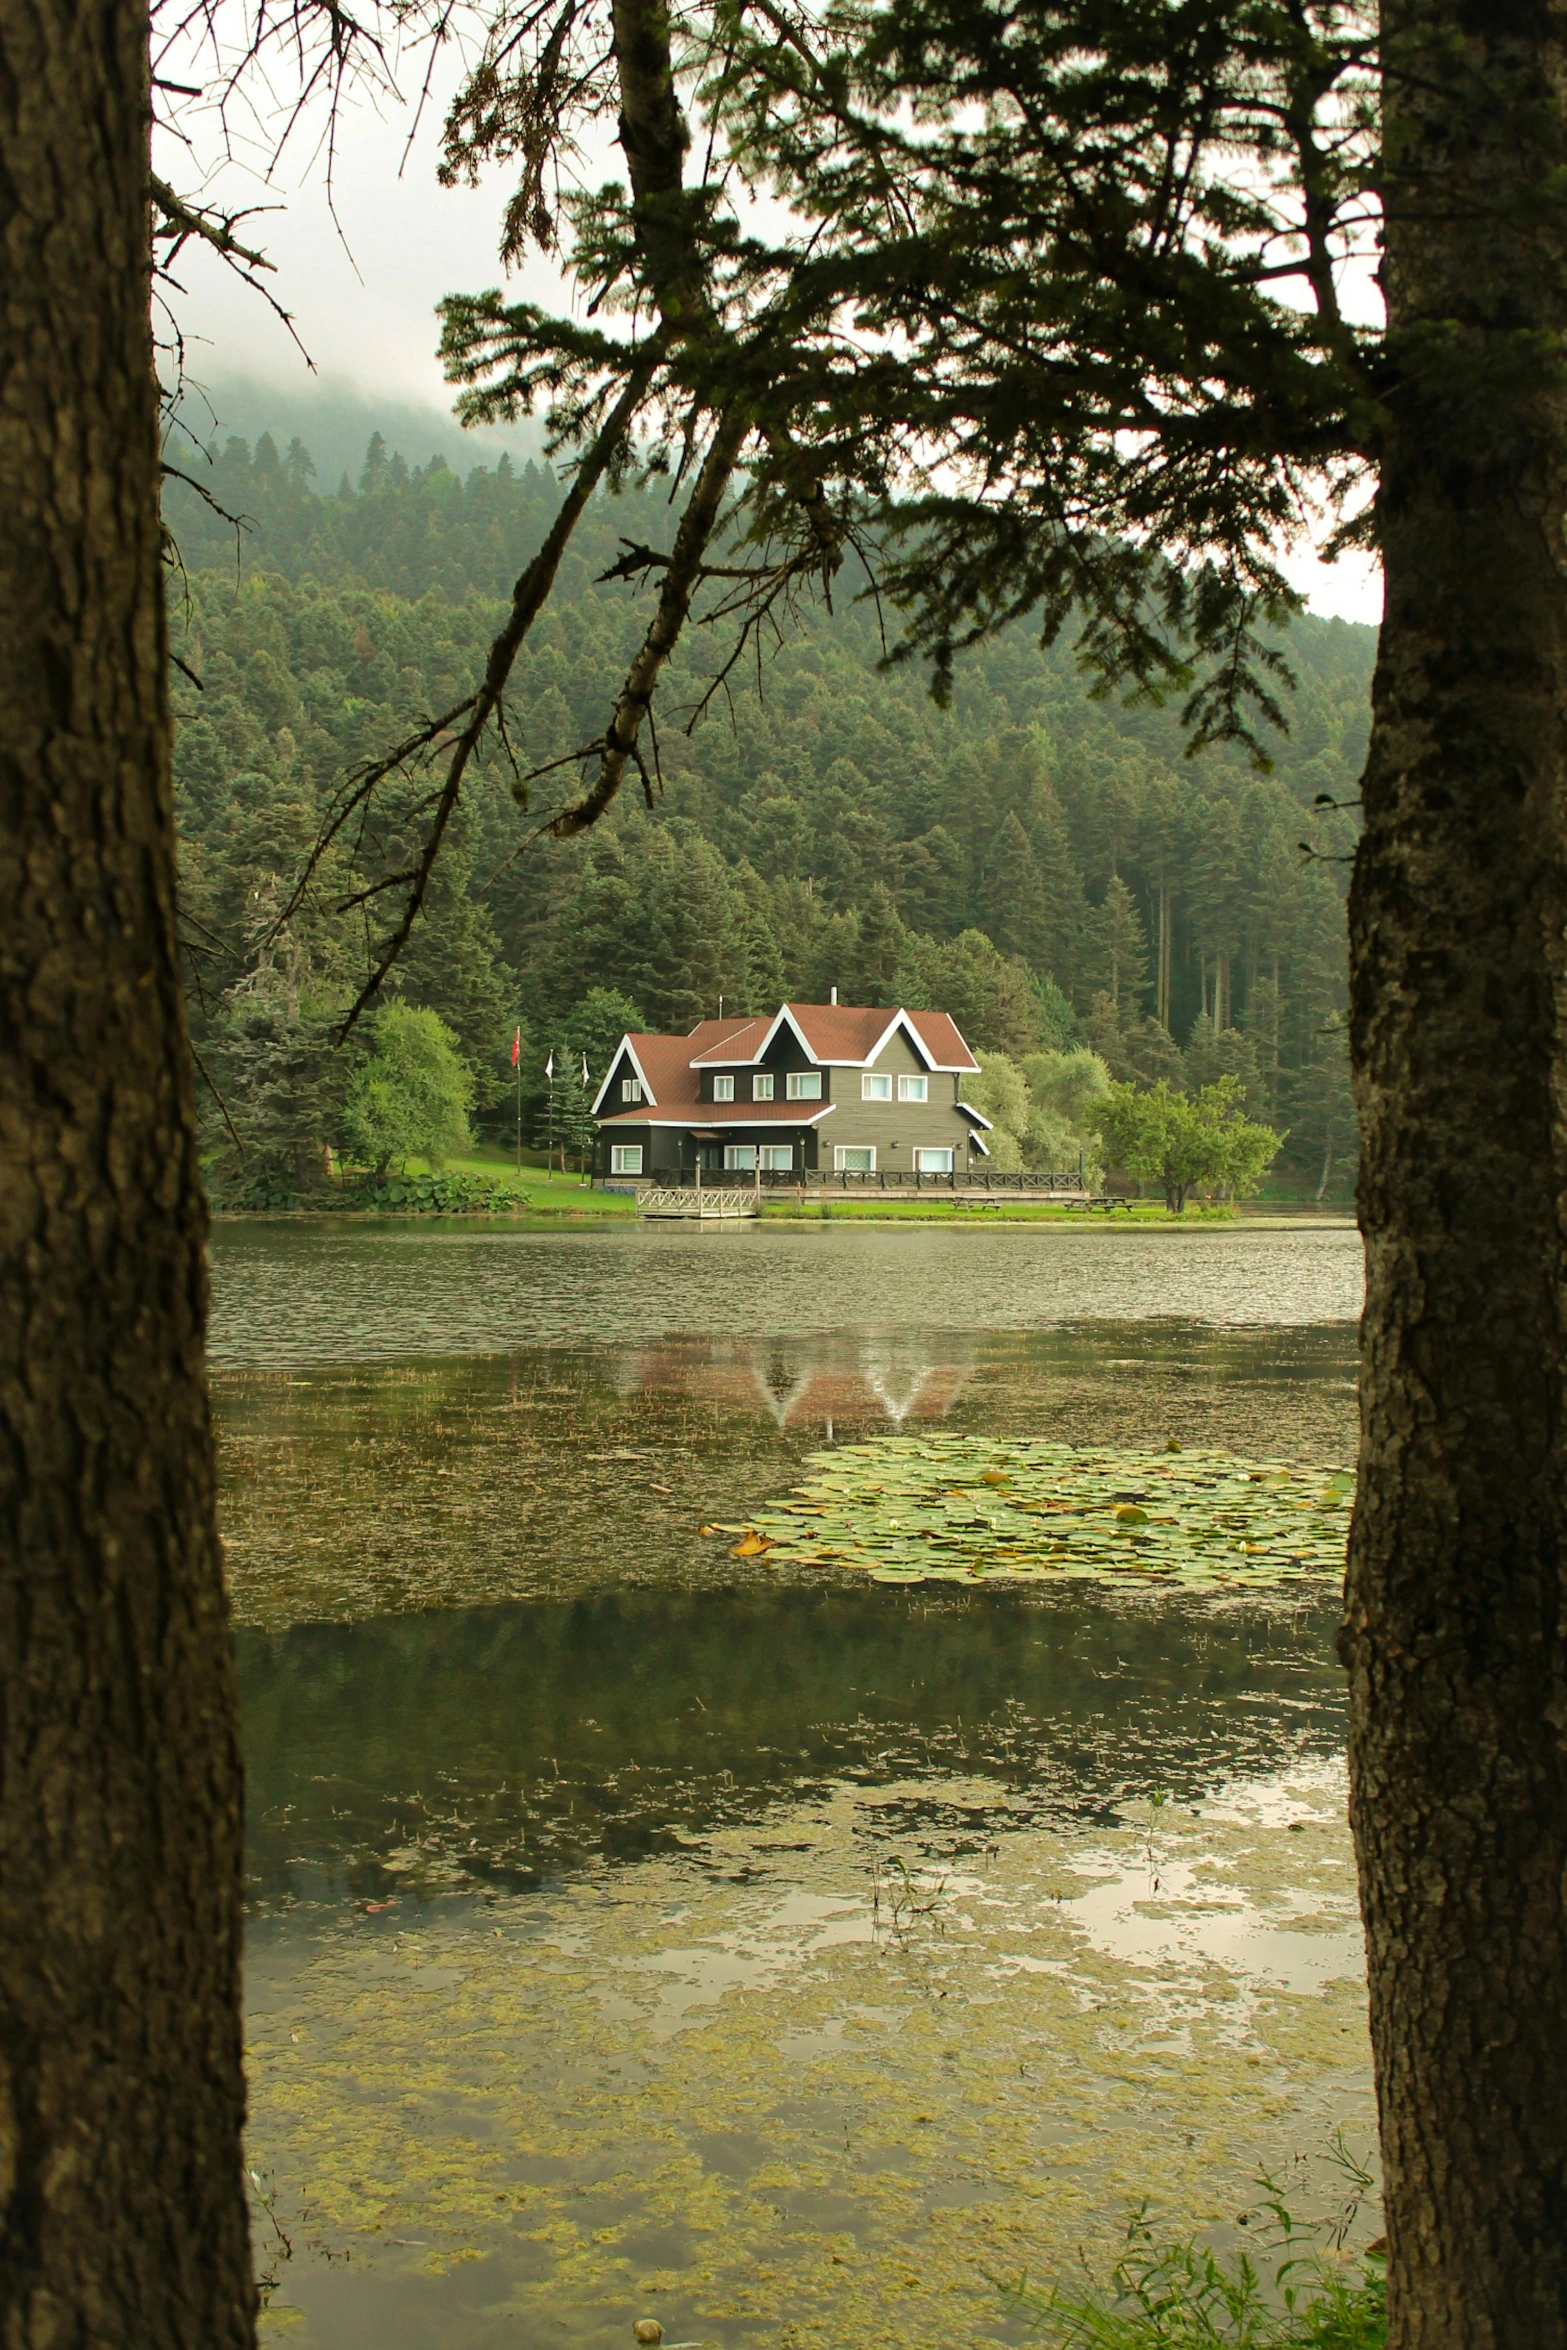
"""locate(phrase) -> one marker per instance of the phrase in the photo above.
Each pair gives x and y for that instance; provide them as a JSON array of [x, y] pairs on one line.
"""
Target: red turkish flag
[[516, 1048]]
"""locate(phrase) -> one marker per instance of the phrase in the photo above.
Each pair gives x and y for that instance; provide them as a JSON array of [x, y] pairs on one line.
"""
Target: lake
[[641, 1930]]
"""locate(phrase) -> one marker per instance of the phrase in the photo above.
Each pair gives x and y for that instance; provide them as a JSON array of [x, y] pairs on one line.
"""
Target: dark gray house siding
[[896, 1129]]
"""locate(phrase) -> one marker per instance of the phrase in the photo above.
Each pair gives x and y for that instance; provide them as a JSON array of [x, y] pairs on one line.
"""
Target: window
[[854, 1158], [933, 1162], [913, 1089], [804, 1085], [625, 1158], [762, 1086], [631, 1089], [723, 1089], [875, 1086], [777, 1158], [740, 1155]]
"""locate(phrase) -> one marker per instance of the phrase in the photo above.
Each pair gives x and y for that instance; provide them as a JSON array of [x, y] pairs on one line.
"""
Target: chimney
[[832, 995]]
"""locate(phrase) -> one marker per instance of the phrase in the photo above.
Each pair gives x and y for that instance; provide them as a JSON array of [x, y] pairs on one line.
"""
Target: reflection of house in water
[[822, 1378]]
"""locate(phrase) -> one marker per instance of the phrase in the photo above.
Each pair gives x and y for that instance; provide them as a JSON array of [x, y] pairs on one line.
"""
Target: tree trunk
[[1455, 1635], [122, 2213]]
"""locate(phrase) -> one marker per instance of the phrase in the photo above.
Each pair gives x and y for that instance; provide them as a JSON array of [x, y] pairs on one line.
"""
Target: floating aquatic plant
[[966, 1509]]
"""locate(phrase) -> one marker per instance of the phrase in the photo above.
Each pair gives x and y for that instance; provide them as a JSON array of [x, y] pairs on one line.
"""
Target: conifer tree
[[1122, 949], [121, 1857], [881, 944], [1016, 914], [1109, 244]]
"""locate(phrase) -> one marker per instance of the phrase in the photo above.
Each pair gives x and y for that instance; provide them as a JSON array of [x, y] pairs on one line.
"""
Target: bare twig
[[528, 598]]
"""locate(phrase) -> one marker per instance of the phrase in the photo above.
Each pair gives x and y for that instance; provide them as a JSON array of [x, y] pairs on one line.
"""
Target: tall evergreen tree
[[1078, 262], [121, 2090], [1122, 949], [882, 941], [1016, 913]]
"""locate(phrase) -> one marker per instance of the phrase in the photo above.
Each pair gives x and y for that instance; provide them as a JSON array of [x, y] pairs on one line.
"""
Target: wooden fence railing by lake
[[736, 1191]]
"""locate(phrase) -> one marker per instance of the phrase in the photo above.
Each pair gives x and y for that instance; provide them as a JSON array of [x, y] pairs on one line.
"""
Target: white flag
[[549, 1066], [584, 1068]]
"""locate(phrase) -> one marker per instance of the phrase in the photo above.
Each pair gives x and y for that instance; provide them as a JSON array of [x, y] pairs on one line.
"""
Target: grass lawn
[[926, 1210], [537, 1190]]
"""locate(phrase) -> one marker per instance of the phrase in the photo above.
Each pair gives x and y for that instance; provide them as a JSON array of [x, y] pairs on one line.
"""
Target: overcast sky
[[363, 287]]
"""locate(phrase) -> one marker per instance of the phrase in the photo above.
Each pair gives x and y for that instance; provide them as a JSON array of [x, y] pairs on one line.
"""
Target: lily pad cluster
[[967, 1509]]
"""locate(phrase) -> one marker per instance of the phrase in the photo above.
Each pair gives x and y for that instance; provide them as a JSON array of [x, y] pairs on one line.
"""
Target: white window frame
[[740, 1158], [876, 1085], [631, 1089], [842, 1153], [723, 1089], [941, 1151], [762, 1086], [625, 1158], [804, 1085], [777, 1158], [914, 1089]]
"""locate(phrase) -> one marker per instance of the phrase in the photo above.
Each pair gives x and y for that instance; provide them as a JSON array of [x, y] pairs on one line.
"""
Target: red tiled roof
[[840, 1032], [943, 1039], [837, 1033], [729, 1040]]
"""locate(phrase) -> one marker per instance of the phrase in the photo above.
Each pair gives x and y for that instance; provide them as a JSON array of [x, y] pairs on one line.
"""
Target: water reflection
[[359, 1489], [637, 1927], [817, 1380], [789, 1963], [499, 1746]]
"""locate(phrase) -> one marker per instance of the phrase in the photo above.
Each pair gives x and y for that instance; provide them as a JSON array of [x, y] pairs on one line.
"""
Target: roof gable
[[625, 1050], [851, 1035], [843, 1036]]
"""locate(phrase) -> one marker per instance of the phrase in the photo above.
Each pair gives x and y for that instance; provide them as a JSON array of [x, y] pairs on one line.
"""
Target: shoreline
[[929, 1218]]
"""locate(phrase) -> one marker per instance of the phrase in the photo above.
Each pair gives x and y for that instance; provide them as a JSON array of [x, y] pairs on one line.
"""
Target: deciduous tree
[[412, 1096], [1180, 1141]]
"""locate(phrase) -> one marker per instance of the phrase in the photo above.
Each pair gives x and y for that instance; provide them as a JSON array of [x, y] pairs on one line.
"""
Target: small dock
[[692, 1202]]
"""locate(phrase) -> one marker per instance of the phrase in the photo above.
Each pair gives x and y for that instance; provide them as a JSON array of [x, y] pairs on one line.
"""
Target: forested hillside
[[1045, 865]]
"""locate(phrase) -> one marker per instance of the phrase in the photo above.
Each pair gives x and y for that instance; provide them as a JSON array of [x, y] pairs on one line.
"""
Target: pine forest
[[1043, 863]]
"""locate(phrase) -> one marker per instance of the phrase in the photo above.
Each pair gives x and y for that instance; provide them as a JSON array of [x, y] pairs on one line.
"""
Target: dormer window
[[762, 1086], [723, 1089], [631, 1089]]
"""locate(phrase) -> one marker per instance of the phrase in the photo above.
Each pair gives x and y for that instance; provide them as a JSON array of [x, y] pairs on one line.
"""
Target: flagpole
[[516, 1062]]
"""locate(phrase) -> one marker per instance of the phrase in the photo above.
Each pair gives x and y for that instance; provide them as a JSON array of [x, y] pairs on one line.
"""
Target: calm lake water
[[641, 1930]]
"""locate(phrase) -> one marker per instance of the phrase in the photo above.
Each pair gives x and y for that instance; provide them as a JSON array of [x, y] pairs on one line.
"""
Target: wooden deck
[[673, 1200]]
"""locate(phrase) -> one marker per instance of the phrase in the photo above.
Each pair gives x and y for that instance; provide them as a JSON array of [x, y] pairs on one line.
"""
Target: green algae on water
[[966, 1509]]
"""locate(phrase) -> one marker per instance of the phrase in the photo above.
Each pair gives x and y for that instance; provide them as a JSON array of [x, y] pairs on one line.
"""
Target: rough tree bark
[[122, 2213], [1456, 1625]]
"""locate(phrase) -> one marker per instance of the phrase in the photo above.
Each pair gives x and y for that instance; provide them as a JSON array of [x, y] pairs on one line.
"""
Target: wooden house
[[813, 1089]]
